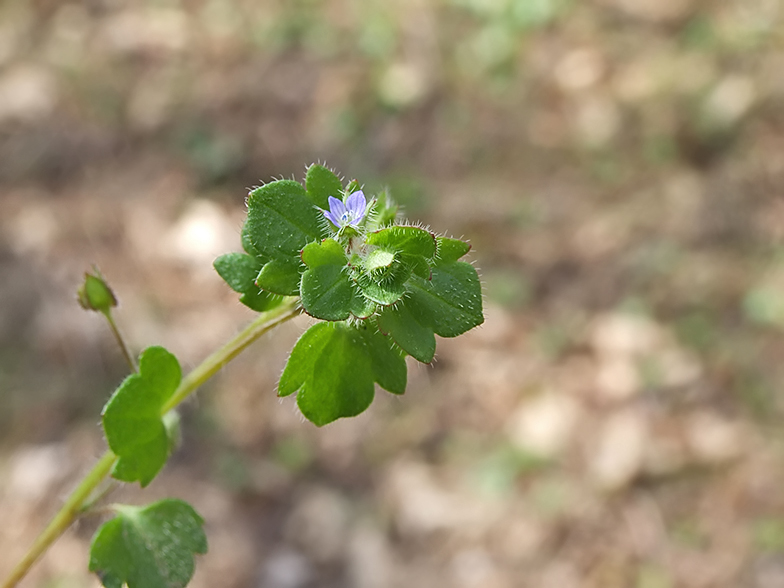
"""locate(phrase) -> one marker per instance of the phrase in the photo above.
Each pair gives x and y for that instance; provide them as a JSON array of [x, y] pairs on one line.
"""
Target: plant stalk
[[120, 341], [73, 506]]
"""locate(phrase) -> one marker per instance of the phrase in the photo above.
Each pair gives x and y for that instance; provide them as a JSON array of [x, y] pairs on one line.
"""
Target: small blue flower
[[350, 213]]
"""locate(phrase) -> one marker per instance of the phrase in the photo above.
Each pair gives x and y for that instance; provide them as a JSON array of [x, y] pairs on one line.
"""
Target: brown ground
[[618, 166]]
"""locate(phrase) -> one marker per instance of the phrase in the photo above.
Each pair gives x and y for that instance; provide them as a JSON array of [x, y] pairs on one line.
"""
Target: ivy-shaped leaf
[[282, 219], [148, 547], [328, 252], [450, 303], [333, 367], [450, 250], [321, 183], [326, 289], [239, 271], [404, 239], [280, 276], [132, 419], [385, 289], [327, 292], [414, 338]]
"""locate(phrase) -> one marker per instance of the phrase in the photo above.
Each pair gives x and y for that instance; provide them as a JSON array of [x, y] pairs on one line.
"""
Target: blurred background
[[618, 167]]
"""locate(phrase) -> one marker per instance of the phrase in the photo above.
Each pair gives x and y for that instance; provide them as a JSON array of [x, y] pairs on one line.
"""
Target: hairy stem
[[120, 341], [63, 519], [210, 366], [73, 506]]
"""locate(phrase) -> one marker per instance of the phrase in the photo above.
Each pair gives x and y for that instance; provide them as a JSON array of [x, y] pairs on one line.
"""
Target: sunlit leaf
[[148, 547]]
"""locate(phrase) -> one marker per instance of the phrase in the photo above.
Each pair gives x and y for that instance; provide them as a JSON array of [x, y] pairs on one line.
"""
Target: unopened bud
[[95, 294]]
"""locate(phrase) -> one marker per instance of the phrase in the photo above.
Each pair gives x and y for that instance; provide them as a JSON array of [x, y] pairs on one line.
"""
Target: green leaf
[[148, 547], [333, 367], [451, 302], [341, 383], [379, 259], [361, 306], [132, 420], [450, 250], [383, 212], [385, 289], [260, 301], [321, 183], [414, 338], [404, 239], [327, 292], [328, 252], [247, 245], [387, 362], [280, 276], [326, 289], [309, 346], [238, 270], [417, 264], [282, 219]]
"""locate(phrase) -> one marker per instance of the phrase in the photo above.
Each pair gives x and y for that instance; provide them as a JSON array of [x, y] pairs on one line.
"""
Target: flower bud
[[95, 294]]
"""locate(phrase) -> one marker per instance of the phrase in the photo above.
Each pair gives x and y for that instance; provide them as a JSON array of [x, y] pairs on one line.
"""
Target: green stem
[[73, 506], [63, 519], [120, 341], [212, 365]]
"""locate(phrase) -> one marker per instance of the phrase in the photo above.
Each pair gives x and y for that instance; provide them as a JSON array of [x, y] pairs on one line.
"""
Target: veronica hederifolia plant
[[383, 288], [379, 288]]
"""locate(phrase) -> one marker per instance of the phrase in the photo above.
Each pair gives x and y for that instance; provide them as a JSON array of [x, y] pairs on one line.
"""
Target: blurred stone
[[319, 524], [677, 367], [618, 455], [202, 233], [770, 80], [70, 28], [150, 102], [35, 470], [600, 235], [625, 334], [34, 229], [731, 99], [693, 72], [712, 439], [617, 378], [474, 568], [522, 539], [684, 194], [597, 120], [499, 328], [27, 93], [151, 29], [579, 69], [664, 455], [10, 35], [559, 574], [546, 129], [403, 84], [544, 425], [768, 571], [643, 77], [370, 558], [286, 568], [424, 506], [492, 378]]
